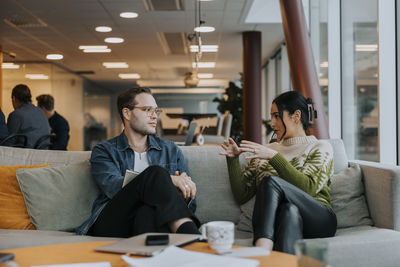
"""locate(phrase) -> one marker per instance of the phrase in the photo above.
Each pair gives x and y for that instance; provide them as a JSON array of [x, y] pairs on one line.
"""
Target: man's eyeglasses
[[150, 110]]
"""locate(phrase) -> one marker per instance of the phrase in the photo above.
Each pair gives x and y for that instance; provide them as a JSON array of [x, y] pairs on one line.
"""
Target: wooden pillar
[[301, 60], [252, 120]]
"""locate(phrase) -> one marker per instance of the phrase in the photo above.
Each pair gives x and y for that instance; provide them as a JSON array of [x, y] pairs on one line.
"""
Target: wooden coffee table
[[84, 252]]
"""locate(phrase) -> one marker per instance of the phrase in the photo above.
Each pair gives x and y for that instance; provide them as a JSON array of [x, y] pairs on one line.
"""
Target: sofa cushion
[[13, 213], [339, 155], [348, 198], [58, 198]]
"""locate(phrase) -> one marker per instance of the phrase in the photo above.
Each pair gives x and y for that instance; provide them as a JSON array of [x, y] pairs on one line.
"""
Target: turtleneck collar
[[299, 140]]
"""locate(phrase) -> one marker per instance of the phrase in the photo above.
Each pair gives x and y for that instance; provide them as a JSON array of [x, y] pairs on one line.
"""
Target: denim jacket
[[110, 160]]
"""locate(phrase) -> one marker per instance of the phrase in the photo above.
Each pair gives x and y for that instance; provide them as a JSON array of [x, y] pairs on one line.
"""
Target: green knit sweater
[[305, 162]]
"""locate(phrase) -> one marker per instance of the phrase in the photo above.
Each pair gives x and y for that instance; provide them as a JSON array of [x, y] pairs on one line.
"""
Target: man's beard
[[143, 130]]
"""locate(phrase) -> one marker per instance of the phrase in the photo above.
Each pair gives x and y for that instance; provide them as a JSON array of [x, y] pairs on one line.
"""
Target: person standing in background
[[59, 125], [26, 118]]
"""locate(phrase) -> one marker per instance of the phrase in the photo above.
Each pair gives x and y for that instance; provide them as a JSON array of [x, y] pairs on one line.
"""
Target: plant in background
[[232, 101]]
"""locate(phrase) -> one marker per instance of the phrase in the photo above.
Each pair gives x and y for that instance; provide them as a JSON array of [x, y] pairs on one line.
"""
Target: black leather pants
[[284, 213]]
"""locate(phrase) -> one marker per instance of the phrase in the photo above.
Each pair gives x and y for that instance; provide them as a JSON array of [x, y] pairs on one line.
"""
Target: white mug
[[220, 234]]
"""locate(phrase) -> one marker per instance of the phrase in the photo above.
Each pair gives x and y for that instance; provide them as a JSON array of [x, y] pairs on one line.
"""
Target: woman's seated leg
[[288, 228], [318, 220]]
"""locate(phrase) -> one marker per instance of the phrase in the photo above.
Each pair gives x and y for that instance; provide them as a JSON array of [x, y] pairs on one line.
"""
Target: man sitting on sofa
[[156, 200]]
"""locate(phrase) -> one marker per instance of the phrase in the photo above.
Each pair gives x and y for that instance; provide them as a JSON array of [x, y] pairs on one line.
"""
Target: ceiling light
[[114, 40], [9, 65], [107, 50], [324, 64], [103, 29], [204, 48], [93, 47], [133, 76], [366, 47], [205, 75], [54, 56], [37, 76], [128, 15], [115, 65], [204, 29], [203, 65]]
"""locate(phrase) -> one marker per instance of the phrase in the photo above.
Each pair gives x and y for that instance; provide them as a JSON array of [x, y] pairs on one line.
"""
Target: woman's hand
[[259, 151], [185, 184], [231, 148]]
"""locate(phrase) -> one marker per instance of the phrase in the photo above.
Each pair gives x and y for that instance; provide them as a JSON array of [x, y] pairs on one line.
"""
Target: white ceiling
[[60, 26]]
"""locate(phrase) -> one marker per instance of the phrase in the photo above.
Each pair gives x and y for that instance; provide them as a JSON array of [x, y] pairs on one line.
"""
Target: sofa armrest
[[382, 190]]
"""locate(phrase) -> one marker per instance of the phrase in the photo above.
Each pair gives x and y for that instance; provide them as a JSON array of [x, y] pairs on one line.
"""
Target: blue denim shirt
[[110, 160]]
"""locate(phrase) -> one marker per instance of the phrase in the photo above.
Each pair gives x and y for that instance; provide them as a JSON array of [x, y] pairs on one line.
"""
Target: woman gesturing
[[289, 179]]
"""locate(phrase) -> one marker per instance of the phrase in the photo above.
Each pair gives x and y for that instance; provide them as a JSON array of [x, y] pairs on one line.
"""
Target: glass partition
[[360, 120]]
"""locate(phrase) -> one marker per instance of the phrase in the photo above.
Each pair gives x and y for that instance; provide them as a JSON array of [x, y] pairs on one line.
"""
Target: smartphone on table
[[157, 240], [6, 257]]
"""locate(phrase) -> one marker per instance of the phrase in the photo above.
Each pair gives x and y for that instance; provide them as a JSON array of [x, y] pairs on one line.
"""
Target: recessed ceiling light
[[54, 56], [133, 76], [128, 15], [114, 40], [93, 47], [37, 76], [9, 65], [366, 47], [204, 48], [205, 75], [203, 65], [103, 29], [107, 50], [204, 29], [115, 65]]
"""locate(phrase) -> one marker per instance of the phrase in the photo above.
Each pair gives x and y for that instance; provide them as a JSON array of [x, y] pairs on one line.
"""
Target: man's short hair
[[46, 102], [126, 99], [22, 93]]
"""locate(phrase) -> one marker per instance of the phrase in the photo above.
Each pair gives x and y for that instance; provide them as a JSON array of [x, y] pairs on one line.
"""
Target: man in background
[[26, 119], [3, 126], [59, 125]]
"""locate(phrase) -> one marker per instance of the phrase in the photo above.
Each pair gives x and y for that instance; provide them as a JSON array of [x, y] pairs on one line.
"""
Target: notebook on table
[[136, 245], [129, 176]]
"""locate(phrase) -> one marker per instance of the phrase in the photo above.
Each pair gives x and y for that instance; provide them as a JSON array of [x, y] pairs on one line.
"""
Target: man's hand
[[184, 183]]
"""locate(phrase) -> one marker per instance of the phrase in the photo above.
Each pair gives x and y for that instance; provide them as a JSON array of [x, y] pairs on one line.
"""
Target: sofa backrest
[[24, 156], [207, 168], [210, 173]]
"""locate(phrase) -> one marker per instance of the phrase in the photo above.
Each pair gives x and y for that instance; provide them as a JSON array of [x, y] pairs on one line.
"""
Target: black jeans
[[284, 213], [147, 204]]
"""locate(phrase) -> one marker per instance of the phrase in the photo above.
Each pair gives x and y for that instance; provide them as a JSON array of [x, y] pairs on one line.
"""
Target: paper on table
[[91, 264], [244, 252], [178, 257]]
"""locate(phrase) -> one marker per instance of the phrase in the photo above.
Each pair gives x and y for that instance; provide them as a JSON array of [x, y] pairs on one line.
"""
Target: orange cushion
[[13, 213]]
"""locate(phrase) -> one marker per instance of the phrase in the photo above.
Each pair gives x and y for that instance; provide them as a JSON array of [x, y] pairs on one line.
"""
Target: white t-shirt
[[141, 162]]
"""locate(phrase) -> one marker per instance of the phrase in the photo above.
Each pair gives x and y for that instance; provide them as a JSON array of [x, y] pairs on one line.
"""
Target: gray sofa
[[371, 240]]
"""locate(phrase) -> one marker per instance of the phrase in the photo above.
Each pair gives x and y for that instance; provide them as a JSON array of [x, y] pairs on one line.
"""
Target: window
[[360, 110]]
